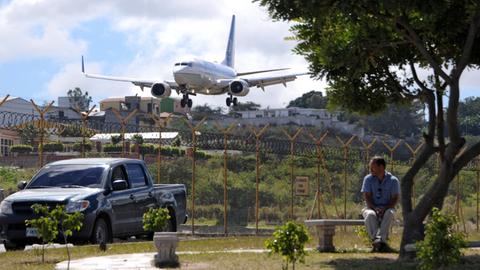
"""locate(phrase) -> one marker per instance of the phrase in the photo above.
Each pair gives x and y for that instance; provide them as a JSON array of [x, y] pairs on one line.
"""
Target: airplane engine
[[161, 90], [238, 88]]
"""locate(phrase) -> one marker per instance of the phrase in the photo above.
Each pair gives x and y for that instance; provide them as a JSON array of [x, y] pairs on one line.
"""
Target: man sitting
[[381, 191]]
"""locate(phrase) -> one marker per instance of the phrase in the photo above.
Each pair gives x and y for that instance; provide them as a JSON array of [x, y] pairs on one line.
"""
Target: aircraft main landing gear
[[231, 100], [186, 101]]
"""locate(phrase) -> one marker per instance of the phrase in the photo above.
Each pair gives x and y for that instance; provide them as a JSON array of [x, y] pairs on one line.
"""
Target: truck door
[[143, 194], [121, 203]]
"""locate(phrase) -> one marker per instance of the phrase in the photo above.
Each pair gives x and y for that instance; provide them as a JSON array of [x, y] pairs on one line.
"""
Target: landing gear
[[231, 100], [186, 101]]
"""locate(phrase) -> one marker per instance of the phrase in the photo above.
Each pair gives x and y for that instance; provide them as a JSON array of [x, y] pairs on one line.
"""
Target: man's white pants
[[378, 227]]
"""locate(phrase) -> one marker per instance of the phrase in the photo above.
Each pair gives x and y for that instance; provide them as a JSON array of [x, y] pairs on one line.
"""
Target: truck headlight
[[77, 206], [6, 207]]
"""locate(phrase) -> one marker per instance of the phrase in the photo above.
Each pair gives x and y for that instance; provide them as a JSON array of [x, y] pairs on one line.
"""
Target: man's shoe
[[376, 245], [385, 248]]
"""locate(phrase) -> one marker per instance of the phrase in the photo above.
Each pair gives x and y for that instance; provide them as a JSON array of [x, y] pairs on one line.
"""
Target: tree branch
[[407, 180], [440, 124], [416, 79], [411, 35], [467, 48], [432, 117]]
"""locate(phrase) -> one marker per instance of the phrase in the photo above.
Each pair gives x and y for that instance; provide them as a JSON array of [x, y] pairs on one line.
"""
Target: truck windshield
[[68, 176]]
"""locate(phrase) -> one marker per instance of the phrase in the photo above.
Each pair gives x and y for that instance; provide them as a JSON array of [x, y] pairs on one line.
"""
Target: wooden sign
[[301, 186]]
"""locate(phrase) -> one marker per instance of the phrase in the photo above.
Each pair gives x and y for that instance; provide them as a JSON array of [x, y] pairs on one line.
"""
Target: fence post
[[226, 132], [292, 139], [320, 160], [84, 116], [391, 150], [4, 99], [346, 146], [161, 124], [123, 123], [42, 127], [258, 134], [367, 148], [194, 130], [478, 192], [414, 156]]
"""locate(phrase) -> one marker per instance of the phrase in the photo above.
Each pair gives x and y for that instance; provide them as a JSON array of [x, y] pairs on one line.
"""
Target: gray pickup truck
[[112, 193]]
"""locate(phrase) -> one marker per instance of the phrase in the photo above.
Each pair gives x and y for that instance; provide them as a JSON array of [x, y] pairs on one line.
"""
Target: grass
[[352, 254]]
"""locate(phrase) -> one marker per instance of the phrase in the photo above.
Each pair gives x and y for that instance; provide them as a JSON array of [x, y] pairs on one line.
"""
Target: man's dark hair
[[379, 161]]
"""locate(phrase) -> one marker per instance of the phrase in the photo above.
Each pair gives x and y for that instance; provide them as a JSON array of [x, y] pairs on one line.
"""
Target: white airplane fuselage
[[200, 76]]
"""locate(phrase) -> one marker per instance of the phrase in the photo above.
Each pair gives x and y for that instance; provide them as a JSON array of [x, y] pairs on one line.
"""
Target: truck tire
[[101, 232], [12, 246]]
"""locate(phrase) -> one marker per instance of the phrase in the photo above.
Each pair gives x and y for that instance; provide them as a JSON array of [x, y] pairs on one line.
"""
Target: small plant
[[155, 219], [78, 147], [137, 139], [53, 147], [46, 226], [289, 241], [21, 148], [52, 223], [441, 246]]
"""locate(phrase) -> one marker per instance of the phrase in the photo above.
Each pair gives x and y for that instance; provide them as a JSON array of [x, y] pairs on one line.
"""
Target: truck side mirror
[[21, 185], [119, 184]]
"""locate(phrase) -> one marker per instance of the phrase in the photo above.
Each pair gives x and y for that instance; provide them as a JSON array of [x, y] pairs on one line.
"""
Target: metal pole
[[194, 141], [42, 127], [225, 195]]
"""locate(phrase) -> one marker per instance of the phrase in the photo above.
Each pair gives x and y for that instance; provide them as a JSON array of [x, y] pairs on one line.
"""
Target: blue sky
[[42, 44]]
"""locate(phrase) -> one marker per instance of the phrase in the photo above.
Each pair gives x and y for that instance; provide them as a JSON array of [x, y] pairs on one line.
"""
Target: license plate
[[32, 232]]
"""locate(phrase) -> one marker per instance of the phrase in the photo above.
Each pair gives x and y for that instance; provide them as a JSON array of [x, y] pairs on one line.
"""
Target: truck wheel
[[101, 232], [11, 246]]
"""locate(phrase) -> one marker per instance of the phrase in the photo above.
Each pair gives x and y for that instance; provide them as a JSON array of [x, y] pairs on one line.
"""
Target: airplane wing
[[266, 81], [138, 82]]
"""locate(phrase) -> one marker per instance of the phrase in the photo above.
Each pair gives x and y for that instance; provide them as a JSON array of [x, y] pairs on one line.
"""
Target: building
[[143, 104], [296, 116]]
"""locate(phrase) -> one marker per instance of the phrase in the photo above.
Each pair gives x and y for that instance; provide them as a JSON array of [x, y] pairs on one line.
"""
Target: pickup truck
[[112, 193]]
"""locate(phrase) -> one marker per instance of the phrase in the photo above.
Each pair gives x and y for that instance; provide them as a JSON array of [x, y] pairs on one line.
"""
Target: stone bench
[[325, 229]]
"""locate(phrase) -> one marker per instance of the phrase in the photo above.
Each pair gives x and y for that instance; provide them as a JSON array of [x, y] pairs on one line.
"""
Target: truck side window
[[136, 175], [118, 173]]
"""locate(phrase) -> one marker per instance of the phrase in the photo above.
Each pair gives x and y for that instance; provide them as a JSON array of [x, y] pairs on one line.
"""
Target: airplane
[[198, 76]]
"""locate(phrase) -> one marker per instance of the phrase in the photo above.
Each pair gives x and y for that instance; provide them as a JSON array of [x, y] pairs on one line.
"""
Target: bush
[[78, 147], [21, 148], [53, 147], [155, 219], [441, 246], [289, 241], [144, 149], [112, 148]]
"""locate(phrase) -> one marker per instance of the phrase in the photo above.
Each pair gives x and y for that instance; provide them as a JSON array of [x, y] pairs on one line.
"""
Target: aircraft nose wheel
[[235, 101], [185, 101], [229, 101]]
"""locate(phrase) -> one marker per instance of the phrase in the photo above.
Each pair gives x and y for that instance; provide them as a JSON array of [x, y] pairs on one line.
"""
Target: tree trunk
[[413, 229]]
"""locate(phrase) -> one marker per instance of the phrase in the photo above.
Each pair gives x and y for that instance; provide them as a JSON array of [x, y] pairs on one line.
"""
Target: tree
[[78, 99], [28, 134], [247, 106], [313, 99], [469, 116], [399, 121], [201, 111], [375, 53]]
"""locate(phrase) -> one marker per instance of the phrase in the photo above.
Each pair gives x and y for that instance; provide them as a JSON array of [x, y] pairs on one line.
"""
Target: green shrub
[[144, 149], [289, 241], [116, 139], [441, 246], [21, 148], [53, 147], [137, 139], [112, 148], [78, 147], [155, 219]]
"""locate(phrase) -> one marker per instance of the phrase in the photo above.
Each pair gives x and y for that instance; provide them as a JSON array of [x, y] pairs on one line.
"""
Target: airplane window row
[[184, 64]]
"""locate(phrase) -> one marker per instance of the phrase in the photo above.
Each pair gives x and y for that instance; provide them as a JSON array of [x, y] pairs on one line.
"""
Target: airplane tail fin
[[230, 53]]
